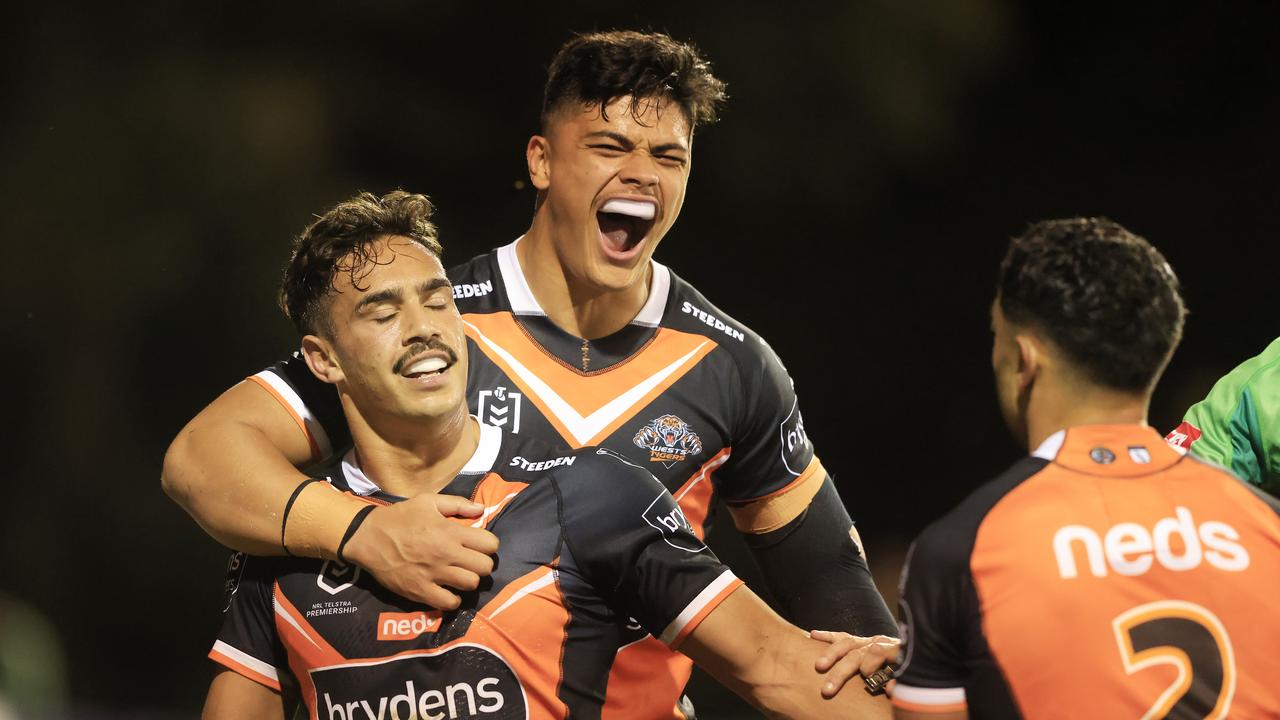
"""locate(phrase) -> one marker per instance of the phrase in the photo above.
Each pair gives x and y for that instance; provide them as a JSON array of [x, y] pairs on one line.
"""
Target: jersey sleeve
[[771, 453], [312, 403], [1237, 425], [248, 643], [935, 613], [634, 545]]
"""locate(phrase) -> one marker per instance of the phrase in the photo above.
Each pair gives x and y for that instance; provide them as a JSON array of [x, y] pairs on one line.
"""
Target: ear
[[1030, 360], [538, 155], [320, 357]]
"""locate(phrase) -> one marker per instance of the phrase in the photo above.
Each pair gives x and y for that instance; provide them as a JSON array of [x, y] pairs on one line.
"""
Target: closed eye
[[608, 148]]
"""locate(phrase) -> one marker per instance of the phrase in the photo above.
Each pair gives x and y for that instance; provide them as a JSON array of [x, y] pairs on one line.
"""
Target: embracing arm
[[233, 469], [236, 697], [751, 650]]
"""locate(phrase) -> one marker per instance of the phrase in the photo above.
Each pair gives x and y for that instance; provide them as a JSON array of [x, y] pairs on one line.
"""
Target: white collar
[[524, 303], [1048, 449], [480, 462]]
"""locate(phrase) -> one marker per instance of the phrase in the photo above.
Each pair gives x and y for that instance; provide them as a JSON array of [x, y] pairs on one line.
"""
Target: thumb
[[452, 505]]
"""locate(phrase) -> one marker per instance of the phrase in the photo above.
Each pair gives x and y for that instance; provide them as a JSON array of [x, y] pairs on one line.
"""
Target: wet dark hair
[[1101, 294], [342, 241], [598, 68]]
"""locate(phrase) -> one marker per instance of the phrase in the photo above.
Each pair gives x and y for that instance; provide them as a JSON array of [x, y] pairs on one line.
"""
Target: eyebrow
[[393, 294], [627, 142]]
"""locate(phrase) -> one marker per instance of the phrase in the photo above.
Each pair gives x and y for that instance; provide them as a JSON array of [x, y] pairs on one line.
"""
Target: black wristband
[[351, 530], [284, 520]]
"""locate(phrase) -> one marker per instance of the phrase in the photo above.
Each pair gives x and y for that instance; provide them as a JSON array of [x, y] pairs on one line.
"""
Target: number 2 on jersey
[[1192, 639]]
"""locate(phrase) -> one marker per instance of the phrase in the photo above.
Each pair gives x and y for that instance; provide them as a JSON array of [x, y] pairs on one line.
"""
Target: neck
[[1055, 406], [577, 307], [408, 458]]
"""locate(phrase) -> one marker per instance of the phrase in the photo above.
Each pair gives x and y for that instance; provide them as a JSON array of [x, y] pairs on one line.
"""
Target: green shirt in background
[[1237, 425]]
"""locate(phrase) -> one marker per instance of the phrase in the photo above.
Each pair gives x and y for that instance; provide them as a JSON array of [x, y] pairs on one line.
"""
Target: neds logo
[[406, 626], [1130, 549], [466, 681]]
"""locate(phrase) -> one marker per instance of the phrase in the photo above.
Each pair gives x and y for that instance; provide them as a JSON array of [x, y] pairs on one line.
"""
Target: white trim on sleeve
[[300, 409], [695, 607], [247, 660], [928, 696]]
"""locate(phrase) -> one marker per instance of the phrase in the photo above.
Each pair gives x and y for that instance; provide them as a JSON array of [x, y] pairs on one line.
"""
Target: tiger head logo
[[668, 440]]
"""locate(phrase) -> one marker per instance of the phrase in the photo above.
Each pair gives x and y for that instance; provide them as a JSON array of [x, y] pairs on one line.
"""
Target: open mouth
[[426, 367], [624, 224]]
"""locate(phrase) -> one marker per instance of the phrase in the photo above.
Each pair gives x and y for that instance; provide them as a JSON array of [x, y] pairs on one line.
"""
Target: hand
[[850, 655], [414, 550]]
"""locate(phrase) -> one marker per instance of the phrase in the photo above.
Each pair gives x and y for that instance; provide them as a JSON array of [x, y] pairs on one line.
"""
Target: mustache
[[419, 348]]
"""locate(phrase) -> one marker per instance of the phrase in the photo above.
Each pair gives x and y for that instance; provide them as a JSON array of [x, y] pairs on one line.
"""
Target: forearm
[[818, 573], [232, 468], [236, 484], [751, 650]]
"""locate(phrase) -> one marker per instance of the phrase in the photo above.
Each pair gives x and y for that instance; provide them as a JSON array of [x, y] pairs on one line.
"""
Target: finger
[[478, 563], [878, 655], [458, 578], [481, 541], [835, 651], [840, 673], [827, 635], [454, 506], [433, 595]]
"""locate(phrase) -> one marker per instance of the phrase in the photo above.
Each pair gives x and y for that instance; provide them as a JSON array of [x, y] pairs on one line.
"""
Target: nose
[[640, 171], [419, 324]]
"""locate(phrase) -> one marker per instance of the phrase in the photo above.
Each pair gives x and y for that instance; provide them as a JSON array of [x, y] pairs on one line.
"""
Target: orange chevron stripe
[[586, 393]]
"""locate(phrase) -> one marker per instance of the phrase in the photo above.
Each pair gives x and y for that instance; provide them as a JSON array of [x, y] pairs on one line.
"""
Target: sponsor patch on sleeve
[[669, 520], [1183, 435], [795, 443]]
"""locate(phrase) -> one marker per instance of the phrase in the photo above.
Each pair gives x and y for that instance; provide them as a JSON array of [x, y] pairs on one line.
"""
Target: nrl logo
[[668, 440]]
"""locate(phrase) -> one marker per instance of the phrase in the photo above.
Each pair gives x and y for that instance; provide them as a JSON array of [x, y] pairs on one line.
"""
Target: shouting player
[[577, 566], [1238, 424], [1106, 575], [576, 337]]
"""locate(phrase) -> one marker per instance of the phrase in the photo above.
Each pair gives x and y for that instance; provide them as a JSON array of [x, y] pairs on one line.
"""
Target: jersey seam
[[565, 364]]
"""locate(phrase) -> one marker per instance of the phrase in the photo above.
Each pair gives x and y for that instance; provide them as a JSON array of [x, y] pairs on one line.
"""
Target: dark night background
[[851, 206]]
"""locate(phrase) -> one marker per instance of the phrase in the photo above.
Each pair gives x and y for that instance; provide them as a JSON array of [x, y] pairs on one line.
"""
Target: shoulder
[[1232, 483], [688, 310], [598, 477], [1239, 384], [523, 458], [950, 539], [477, 283]]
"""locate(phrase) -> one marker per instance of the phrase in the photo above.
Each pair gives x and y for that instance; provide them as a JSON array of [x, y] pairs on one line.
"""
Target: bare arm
[[233, 469], [236, 697], [900, 714], [754, 652]]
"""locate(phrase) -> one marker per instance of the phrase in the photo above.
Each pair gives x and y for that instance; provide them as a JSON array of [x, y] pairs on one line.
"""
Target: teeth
[[634, 208], [425, 366]]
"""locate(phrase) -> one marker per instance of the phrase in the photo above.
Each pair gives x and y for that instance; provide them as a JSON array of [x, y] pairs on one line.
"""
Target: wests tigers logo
[[668, 440]]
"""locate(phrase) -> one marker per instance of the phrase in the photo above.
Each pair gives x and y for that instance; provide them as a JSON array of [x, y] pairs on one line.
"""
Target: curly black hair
[[1104, 296], [342, 241], [598, 68]]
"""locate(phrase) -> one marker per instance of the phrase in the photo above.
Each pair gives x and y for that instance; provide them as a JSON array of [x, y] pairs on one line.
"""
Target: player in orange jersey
[[576, 337], [1107, 574], [577, 566]]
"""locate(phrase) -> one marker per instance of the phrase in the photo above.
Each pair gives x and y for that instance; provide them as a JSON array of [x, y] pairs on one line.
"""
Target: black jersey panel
[[634, 542], [319, 397], [939, 608]]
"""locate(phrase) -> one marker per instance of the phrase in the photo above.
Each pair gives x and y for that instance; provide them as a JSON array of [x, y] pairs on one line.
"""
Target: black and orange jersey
[[1107, 575], [578, 569], [684, 390]]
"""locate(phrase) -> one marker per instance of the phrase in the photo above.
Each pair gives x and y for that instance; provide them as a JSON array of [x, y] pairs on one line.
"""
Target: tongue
[[617, 231]]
